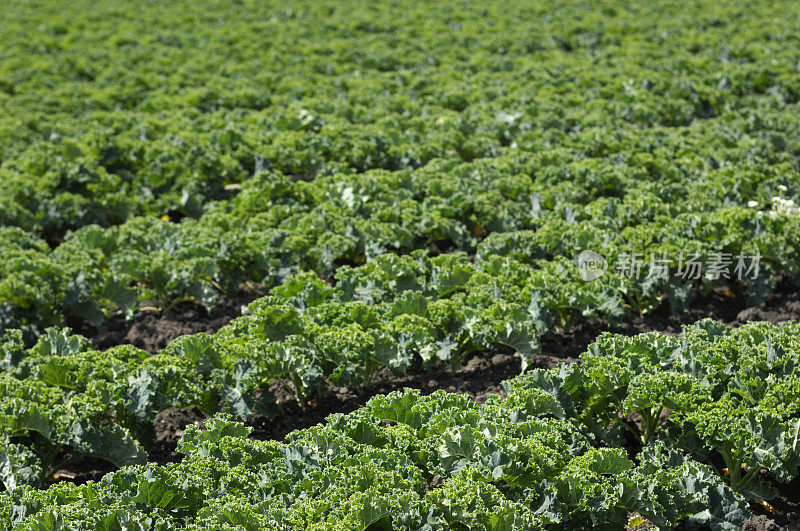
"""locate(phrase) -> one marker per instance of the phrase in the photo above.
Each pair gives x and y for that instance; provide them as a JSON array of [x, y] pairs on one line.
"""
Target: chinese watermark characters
[[714, 266]]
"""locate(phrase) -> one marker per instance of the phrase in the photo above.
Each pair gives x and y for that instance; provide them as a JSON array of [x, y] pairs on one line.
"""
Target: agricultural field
[[394, 265]]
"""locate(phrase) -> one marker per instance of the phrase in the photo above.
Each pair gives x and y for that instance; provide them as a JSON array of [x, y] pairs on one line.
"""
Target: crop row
[[307, 335], [544, 207], [96, 130], [668, 429], [625, 136]]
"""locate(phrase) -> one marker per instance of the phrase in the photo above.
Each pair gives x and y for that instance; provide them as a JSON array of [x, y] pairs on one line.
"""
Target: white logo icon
[[591, 265]]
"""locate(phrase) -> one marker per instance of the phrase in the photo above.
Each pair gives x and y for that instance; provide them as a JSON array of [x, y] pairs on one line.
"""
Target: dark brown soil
[[152, 329], [479, 378], [783, 306], [781, 513], [170, 425], [760, 523], [438, 247], [83, 470], [436, 482], [731, 309]]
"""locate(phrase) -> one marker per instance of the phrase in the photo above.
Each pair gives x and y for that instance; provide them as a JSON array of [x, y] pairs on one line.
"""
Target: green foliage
[[254, 165], [553, 443], [408, 184], [408, 461]]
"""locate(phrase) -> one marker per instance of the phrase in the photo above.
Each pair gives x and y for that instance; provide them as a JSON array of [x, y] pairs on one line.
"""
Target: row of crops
[[637, 195], [403, 185], [600, 127], [105, 120], [660, 428]]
